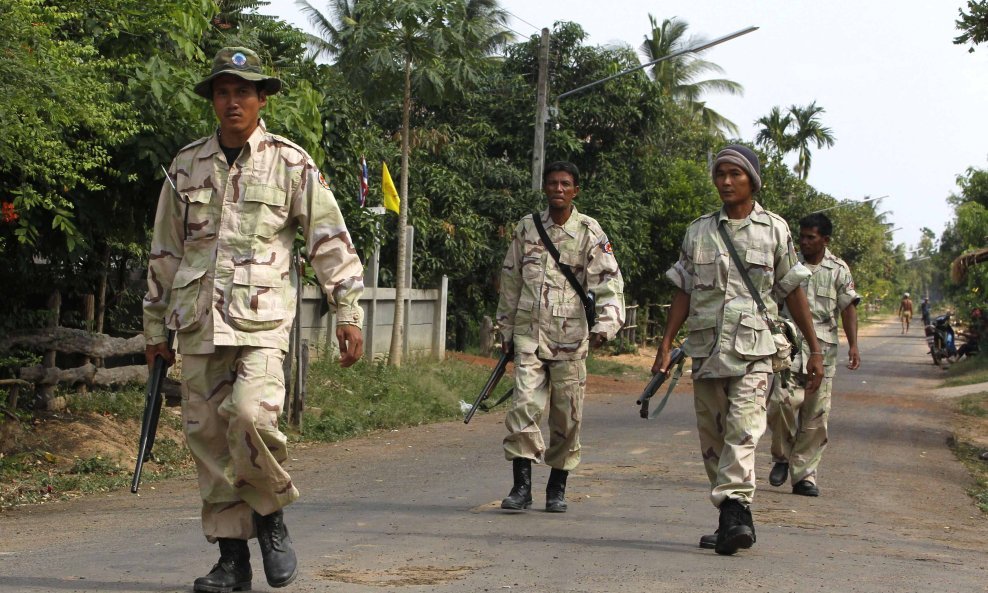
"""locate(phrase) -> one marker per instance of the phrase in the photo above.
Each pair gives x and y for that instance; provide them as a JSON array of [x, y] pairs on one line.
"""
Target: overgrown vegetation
[[969, 443], [968, 371], [368, 396]]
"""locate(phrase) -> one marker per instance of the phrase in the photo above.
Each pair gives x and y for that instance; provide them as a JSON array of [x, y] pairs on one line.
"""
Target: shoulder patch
[[322, 181], [606, 247]]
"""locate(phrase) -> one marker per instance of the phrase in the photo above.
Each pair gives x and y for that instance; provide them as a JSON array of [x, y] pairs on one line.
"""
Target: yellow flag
[[391, 200]]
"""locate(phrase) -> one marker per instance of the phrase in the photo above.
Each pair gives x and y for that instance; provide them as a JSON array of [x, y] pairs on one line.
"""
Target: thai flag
[[364, 188]]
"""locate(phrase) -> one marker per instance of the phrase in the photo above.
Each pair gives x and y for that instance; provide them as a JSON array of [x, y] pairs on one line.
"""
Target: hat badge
[[239, 60]]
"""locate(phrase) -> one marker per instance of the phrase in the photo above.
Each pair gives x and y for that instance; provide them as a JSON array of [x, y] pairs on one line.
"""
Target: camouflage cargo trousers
[[560, 384], [730, 417], [231, 401], [799, 426]]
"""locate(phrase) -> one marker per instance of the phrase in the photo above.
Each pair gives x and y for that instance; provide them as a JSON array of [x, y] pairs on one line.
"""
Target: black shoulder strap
[[567, 271], [744, 272]]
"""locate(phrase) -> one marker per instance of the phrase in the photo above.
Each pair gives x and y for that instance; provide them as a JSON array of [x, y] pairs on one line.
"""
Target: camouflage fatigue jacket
[[728, 337], [539, 309], [829, 291], [220, 269]]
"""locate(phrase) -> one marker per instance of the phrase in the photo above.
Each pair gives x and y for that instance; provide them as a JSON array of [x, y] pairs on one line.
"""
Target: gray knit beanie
[[743, 157]]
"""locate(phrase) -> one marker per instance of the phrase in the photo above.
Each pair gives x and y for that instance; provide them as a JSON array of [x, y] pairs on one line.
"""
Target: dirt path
[[416, 510]]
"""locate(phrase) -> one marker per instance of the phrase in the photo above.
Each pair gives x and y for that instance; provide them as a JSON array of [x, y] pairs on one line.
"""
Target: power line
[[522, 20]]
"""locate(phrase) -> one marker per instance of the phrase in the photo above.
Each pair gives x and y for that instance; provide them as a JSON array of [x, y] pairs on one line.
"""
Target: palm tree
[[679, 78], [433, 46], [774, 134], [808, 129]]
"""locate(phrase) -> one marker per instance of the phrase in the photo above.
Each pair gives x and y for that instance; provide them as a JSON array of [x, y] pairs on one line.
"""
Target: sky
[[905, 104]]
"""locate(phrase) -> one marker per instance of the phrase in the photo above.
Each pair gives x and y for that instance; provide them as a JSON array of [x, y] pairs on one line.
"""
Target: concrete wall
[[425, 321]]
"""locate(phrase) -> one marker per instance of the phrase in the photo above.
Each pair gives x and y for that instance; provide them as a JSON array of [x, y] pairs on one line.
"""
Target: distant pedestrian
[[730, 341], [925, 310], [905, 311]]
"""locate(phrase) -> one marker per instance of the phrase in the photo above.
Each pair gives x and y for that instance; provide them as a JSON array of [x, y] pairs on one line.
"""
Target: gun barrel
[[152, 403], [657, 380], [492, 381]]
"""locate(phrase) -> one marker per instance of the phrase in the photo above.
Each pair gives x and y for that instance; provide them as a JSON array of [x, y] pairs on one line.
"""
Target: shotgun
[[152, 412]]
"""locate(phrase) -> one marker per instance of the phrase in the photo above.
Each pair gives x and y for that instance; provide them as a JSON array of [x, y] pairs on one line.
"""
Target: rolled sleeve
[[681, 272], [846, 295], [791, 280]]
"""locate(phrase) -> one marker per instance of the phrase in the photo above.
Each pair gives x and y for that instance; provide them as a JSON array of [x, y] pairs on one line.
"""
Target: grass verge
[[971, 370], [91, 446], [343, 403], [970, 426]]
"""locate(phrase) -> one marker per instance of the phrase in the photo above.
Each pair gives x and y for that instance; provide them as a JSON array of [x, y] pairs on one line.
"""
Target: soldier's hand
[[814, 372], [351, 342], [853, 358], [597, 340], [662, 360], [154, 351]]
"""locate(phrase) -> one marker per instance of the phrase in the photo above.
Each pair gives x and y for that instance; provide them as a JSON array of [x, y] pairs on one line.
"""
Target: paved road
[[415, 510]]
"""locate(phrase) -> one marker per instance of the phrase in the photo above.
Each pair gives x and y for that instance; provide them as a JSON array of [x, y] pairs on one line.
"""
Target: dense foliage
[[97, 96]]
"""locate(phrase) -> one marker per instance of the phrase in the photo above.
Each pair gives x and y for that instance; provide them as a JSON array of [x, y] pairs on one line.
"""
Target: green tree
[[808, 130], [973, 24], [432, 47], [773, 135], [679, 78]]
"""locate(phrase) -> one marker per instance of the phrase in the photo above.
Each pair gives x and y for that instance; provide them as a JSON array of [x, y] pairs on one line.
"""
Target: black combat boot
[[280, 564], [736, 529], [231, 573], [520, 496], [555, 491]]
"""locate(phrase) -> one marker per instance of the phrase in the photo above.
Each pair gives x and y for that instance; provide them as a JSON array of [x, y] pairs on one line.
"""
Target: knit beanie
[[743, 157]]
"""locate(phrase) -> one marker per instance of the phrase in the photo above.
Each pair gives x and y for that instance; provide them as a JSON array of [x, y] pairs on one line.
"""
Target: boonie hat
[[240, 62]]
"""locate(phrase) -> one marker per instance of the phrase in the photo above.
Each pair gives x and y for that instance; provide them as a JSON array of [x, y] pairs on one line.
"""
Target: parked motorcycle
[[940, 338]]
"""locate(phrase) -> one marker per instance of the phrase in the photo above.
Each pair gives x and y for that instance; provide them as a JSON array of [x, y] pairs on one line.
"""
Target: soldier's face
[[237, 104], [811, 242], [733, 184], [560, 188]]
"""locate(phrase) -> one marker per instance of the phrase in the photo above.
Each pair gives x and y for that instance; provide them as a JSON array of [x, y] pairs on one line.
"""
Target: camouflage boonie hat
[[241, 62]]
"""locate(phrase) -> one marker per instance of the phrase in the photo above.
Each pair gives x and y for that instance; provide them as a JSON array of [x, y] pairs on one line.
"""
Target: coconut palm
[[679, 78], [808, 130], [433, 47], [774, 134]]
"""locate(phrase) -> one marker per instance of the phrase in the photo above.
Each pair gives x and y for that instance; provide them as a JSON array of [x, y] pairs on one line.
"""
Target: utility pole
[[538, 151]]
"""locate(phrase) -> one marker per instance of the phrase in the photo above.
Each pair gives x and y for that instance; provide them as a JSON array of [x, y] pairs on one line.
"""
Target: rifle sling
[[566, 270], [744, 275]]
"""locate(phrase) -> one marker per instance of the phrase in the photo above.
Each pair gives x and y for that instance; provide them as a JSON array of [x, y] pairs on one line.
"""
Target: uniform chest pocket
[[706, 268], [760, 267], [265, 210], [257, 299], [199, 217]]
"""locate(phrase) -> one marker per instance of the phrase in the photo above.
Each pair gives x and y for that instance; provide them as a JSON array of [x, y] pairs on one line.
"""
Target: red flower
[[7, 212]]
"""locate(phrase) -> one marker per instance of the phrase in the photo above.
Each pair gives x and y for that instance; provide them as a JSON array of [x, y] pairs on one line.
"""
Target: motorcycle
[[940, 338]]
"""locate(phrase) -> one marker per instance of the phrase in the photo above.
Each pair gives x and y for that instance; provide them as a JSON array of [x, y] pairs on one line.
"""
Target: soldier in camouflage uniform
[[542, 317], [729, 340], [797, 417], [220, 276]]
